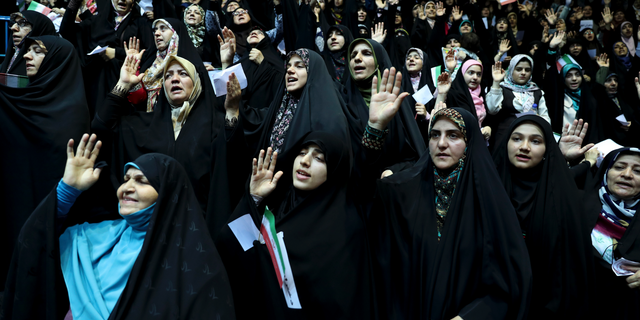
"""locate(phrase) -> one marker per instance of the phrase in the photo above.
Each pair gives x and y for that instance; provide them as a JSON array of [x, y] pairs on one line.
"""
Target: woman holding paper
[[516, 94], [547, 201], [320, 267], [612, 199]]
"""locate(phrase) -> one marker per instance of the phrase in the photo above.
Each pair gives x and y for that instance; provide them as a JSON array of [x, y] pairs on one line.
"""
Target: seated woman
[[465, 92], [514, 95], [447, 241], [184, 123], [612, 199], [33, 121], [322, 277], [126, 268], [548, 205], [337, 41]]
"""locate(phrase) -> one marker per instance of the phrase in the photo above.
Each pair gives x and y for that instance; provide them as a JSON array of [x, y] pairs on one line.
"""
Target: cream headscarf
[[179, 113], [152, 79]]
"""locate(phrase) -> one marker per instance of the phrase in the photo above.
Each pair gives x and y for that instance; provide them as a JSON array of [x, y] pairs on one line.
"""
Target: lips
[[302, 175], [358, 69], [128, 200], [624, 185], [175, 89], [442, 155], [523, 157], [291, 79], [334, 43]]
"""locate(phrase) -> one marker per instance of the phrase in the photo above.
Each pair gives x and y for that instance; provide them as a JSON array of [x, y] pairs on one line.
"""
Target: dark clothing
[[41, 25]]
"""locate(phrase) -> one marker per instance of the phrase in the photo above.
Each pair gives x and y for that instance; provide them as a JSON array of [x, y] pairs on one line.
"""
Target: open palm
[[79, 172], [263, 180], [570, 143], [386, 101]]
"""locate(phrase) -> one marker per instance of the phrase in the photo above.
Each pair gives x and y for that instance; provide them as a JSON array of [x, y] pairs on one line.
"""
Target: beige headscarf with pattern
[[179, 113]]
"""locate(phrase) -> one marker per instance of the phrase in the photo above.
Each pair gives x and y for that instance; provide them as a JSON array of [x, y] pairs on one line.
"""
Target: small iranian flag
[[34, 6], [565, 59], [506, 2]]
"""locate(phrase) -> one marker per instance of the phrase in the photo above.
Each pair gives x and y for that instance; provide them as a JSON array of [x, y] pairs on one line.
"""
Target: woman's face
[[587, 11], [513, 20], [193, 16], [446, 144], [162, 34], [501, 26], [627, 30], [473, 76], [296, 76], [232, 6], [398, 18], [33, 59], [452, 43], [178, 84], [623, 179], [485, 12], [415, 10], [620, 49], [414, 62], [361, 61], [560, 25], [589, 35], [338, 3], [123, 6], [465, 27], [240, 17], [335, 42], [255, 37], [20, 29], [362, 15], [575, 49], [526, 146], [136, 193], [522, 72], [619, 16], [611, 85], [309, 168], [573, 79], [431, 10]]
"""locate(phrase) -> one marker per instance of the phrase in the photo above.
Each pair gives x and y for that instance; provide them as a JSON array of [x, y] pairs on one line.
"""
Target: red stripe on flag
[[270, 245]]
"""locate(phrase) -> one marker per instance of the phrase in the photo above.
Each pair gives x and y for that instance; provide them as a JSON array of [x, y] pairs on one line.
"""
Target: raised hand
[[551, 17], [607, 16], [79, 172], [381, 3], [133, 49], [444, 83], [579, 13], [602, 60], [227, 47], [504, 46], [637, 82], [256, 56], [592, 156], [263, 181], [386, 101], [456, 13], [557, 39], [571, 141], [450, 61], [234, 93], [571, 34], [440, 10], [128, 77], [497, 72], [379, 33]]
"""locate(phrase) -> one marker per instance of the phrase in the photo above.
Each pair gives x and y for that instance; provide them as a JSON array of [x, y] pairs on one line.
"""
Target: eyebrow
[[533, 135]]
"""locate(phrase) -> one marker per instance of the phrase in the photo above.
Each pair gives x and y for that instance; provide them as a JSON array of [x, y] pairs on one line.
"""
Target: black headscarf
[[479, 268], [615, 299], [242, 31], [627, 105], [178, 272], [307, 26], [404, 141], [425, 74], [264, 79], [333, 58], [41, 25], [549, 207], [459, 95], [35, 122], [325, 240]]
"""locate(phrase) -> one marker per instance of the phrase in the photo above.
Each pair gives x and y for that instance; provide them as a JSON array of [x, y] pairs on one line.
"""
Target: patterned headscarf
[[415, 79], [196, 33], [179, 113], [445, 186], [153, 76], [288, 107]]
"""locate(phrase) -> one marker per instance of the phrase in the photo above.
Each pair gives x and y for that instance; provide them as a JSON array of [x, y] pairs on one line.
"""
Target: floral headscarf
[[152, 79], [196, 33]]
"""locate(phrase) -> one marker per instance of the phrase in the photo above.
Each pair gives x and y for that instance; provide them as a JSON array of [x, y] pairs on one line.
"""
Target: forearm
[[66, 196], [494, 99]]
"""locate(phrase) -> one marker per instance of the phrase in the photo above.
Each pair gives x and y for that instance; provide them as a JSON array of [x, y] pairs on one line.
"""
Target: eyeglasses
[[239, 12], [588, 32], [21, 23]]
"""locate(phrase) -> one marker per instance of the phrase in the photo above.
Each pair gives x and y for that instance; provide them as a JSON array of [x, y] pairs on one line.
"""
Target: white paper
[[586, 24], [435, 73], [288, 284], [97, 50], [616, 266], [604, 147], [486, 23], [423, 95], [557, 136], [245, 231], [623, 121], [592, 53], [219, 79]]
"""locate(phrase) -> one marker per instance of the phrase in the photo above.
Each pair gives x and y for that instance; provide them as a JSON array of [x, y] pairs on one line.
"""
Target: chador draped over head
[[36, 121], [549, 207], [177, 272], [337, 61], [478, 267], [41, 25], [332, 274]]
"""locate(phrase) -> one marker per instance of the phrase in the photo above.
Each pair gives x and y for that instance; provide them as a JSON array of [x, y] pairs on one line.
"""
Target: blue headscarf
[[97, 258], [573, 94], [626, 60]]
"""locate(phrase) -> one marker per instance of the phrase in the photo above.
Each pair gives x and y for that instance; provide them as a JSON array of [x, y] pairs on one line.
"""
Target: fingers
[[267, 159], [385, 79], [96, 151], [276, 177], [220, 40], [260, 160], [565, 129], [398, 83], [374, 85], [583, 132], [272, 165], [82, 144], [89, 148], [70, 149], [254, 167]]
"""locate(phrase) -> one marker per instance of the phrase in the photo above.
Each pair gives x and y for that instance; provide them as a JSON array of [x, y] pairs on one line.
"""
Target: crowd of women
[[447, 169]]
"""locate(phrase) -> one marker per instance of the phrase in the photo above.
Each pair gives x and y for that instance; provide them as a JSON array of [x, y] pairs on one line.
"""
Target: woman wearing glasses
[[23, 24]]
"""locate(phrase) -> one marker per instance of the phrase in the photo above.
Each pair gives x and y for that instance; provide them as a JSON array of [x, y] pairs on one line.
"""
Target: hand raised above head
[[386, 101], [263, 180], [79, 172]]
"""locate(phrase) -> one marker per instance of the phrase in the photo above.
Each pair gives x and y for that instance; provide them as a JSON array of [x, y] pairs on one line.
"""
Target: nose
[[306, 160], [442, 143], [157, 32], [290, 71], [15, 28], [525, 146], [27, 56], [175, 78], [358, 57], [627, 173]]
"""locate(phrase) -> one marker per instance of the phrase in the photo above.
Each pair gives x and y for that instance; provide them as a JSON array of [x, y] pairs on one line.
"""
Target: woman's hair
[[470, 41]]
